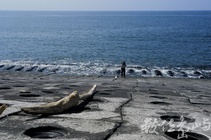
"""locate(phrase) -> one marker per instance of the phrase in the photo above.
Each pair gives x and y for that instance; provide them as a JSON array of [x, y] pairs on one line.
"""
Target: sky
[[105, 5]]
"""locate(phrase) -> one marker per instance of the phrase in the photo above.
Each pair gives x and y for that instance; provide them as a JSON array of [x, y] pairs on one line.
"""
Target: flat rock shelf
[[121, 108]]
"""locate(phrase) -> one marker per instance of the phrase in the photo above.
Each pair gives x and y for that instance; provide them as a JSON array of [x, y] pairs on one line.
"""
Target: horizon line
[[104, 10]]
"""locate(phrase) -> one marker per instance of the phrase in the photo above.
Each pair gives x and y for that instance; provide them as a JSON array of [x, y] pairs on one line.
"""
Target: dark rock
[[184, 74], [1, 66], [19, 69], [32, 68], [158, 73], [41, 69], [131, 71], [196, 73], [104, 71], [144, 72], [10, 67], [55, 69], [202, 77], [118, 71], [170, 73]]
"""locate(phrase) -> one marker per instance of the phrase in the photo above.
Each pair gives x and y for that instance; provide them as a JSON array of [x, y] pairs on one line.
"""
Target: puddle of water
[[187, 135], [160, 103], [29, 95], [177, 118], [45, 132]]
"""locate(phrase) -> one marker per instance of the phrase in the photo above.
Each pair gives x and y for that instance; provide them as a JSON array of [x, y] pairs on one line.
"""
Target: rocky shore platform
[[131, 108]]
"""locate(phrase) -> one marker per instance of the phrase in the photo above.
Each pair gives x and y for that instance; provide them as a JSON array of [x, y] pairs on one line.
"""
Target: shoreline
[[106, 69], [97, 76], [118, 110]]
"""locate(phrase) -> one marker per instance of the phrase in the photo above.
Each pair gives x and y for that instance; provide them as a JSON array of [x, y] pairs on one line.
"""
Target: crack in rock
[[119, 124]]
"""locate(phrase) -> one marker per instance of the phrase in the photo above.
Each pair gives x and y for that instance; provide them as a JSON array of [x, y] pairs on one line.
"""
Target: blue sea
[[174, 43]]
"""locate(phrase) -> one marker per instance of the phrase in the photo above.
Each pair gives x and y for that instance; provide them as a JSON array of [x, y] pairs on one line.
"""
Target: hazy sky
[[104, 5]]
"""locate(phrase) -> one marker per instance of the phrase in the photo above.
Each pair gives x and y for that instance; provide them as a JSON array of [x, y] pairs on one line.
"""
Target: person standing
[[123, 69]]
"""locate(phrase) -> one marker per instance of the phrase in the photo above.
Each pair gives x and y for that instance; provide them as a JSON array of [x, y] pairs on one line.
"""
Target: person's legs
[[123, 72]]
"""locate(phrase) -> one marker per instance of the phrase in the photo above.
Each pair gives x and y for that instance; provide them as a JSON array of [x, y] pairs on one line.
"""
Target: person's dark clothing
[[123, 69]]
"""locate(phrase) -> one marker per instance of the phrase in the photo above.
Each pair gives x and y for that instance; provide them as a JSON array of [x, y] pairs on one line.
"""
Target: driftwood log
[[88, 94], [60, 105], [2, 108]]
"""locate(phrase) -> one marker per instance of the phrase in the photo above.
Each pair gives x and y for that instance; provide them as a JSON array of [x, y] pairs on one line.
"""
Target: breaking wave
[[106, 69]]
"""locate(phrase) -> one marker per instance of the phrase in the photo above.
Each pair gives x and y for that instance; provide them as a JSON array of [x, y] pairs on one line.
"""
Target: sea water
[[176, 43]]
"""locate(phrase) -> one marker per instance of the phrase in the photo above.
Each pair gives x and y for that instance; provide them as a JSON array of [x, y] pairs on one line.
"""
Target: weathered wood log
[[54, 107], [88, 94], [2, 108], [60, 105]]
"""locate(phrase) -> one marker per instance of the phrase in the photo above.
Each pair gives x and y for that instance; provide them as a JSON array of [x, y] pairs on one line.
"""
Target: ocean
[[152, 43]]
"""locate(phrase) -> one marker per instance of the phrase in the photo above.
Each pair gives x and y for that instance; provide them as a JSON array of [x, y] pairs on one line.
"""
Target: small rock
[[170, 73], [201, 77], [184, 74], [19, 69], [144, 72], [158, 73], [104, 71], [196, 73], [10, 67], [131, 71], [1, 66]]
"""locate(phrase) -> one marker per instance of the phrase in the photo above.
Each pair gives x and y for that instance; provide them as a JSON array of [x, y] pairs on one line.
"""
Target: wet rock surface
[[124, 108]]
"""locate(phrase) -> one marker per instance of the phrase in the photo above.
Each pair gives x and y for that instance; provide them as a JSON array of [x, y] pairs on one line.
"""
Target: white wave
[[98, 68]]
